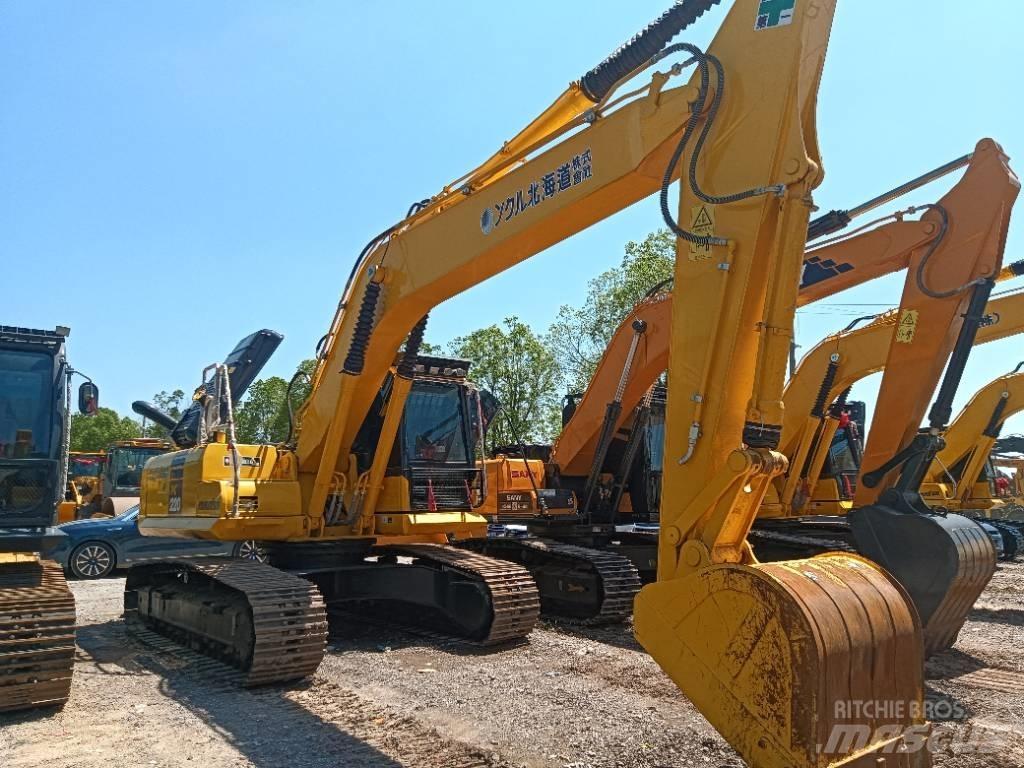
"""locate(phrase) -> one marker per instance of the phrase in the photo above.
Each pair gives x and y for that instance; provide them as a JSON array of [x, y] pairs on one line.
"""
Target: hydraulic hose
[[598, 82], [703, 61], [407, 365], [356, 357]]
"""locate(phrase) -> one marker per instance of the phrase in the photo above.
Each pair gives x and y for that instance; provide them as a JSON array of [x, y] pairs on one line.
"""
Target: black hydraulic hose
[[818, 409], [417, 207], [702, 60], [658, 287], [356, 357], [942, 409], [933, 246], [995, 422], [859, 320], [407, 365], [363, 254], [598, 82]]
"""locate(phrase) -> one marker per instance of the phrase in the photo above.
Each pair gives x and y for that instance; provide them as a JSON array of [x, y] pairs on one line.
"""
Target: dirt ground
[[383, 698]]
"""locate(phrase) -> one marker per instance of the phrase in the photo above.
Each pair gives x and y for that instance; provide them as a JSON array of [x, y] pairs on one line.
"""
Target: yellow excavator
[[825, 373], [37, 610], [638, 352], [767, 652], [960, 239], [961, 477]]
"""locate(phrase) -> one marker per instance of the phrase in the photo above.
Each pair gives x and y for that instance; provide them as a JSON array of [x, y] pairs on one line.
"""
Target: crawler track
[[37, 635], [276, 628], [604, 582], [513, 592]]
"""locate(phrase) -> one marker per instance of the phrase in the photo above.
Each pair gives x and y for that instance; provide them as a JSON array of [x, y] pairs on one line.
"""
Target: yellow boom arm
[[854, 355], [973, 433], [827, 270]]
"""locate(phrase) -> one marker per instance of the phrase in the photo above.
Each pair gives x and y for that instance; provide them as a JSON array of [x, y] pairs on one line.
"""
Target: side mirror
[[88, 398]]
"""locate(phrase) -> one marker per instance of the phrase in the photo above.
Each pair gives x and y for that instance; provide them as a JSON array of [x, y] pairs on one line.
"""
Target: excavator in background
[[320, 508], [116, 486], [826, 374], [962, 475], [831, 444], [244, 363], [637, 354], [960, 238], [37, 610], [1011, 464]]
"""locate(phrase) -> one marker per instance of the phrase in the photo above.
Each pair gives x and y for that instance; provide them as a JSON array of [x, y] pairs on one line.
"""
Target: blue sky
[[174, 176]]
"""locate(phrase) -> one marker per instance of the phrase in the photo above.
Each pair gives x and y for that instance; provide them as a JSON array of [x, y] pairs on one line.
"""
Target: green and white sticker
[[774, 13]]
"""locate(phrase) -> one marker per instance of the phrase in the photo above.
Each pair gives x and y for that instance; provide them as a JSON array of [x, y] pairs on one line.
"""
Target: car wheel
[[92, 560], [251, 550]]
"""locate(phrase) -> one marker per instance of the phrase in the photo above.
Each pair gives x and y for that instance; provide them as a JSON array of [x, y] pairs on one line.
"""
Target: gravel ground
[[383, 698]]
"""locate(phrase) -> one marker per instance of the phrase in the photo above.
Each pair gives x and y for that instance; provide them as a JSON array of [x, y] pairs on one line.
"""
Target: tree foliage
[[518, 369], [579, 335], [262, 417], [171, 403], [97, 431]]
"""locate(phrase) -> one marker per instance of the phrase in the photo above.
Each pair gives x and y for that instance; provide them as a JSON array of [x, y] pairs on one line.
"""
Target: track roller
[[254, 617], [576, 583], [37, 634]]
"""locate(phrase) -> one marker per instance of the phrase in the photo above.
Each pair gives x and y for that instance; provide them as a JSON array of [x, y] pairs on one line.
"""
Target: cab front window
[[26, 404]]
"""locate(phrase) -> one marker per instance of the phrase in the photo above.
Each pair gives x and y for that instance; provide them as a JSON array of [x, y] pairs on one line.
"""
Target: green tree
[[99, 430], [171, 403], [579, 335], [259, 417], [519, 370], [262, 417]]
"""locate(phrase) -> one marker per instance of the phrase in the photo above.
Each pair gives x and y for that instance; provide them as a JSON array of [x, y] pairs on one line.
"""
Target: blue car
[[95, 548]]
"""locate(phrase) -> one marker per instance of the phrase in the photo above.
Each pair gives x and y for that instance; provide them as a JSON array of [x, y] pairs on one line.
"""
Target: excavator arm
[[828, 268], [973, 433], [836, 364], [973, 223]]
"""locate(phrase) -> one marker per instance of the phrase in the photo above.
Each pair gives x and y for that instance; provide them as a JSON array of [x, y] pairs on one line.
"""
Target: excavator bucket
[[943, 561], [800, 664]]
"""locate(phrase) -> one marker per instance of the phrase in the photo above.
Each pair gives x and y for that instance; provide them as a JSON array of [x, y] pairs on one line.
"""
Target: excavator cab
[[434, 463]]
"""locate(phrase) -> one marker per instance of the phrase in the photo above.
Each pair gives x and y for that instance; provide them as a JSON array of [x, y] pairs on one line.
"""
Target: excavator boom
[[769, 653]]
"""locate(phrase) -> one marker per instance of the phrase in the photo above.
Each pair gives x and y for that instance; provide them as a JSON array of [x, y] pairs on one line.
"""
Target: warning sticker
[[907, 326], [702, 222], [774, 13]]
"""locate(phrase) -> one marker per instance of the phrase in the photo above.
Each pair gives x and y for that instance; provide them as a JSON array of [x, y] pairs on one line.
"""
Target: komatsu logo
[[568, 175]]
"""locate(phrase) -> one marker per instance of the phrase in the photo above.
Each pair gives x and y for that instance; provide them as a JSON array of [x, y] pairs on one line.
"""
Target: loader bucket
[[943, 561], [781, 658]]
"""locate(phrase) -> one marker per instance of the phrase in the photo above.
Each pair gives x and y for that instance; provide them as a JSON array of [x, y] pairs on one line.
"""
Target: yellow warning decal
[[907, 326], [702, 222]]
